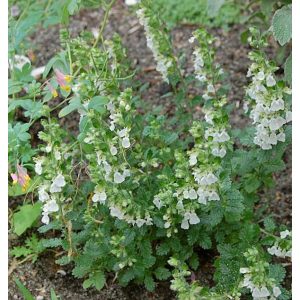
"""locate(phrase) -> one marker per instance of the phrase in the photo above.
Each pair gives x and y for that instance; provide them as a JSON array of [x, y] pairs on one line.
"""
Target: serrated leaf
[[282, 24], [269, 224], [149, 283], [163, 249], [20, 251], [99, 280], [162, 273], [288, 69], [277, 272], [25, 217]]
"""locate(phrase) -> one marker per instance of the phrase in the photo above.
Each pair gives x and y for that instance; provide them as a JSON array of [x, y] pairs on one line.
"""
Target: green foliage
[[23, 290], [137, 192], [32, 248], [210, 13], [26, 217], [282, 24]]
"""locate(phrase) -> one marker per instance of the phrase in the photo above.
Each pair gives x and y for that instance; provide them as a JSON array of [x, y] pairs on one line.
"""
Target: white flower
[[43, 195], [131, 2], [38, 166], [210, 88], [157, 202], [277, 105], [192, 39], [167, 225], [57, 184], [260, 75], [276, 123], [99, 197], [222, 137], [126, 142], [57, 155], [185, 224], [281, 137], [112, 126], [51, 206], [270, 80], [284, 234], [113, 150], [211, 178], [126, 173], [218, 152], [276, 291], [193, 159], [122, 133], [140, 222], [45, 218], [116, 212], [213, 196], [186, 194], [192, 194], [244, 270], [118, 177], [288, 116], [194, 219]]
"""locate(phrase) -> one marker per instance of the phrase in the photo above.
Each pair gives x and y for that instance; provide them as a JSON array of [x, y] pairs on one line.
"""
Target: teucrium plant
[[126, 194]]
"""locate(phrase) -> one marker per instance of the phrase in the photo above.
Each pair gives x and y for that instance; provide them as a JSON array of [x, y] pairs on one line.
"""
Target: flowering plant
[[126, 194]]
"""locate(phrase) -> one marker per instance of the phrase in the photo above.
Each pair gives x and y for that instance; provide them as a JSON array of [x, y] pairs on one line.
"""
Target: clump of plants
[[139, 195]]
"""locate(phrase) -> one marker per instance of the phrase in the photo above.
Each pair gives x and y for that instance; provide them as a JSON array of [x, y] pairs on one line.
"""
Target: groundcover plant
[[143, 195]]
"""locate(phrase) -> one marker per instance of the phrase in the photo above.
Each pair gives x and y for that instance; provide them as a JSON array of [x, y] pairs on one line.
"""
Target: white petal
[[118, 177], [126, 142]]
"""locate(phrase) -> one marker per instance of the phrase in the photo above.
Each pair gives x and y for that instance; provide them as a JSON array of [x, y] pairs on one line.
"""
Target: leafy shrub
[[138, 195]]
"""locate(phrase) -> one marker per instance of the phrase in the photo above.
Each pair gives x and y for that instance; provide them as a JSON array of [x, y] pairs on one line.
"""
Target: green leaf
[[87, 283], [267, 7], [73, 6], [252, 183], [162, 273], [20, 251], [149, 283], [23, 290], [97, 103], [282, 24], [14, 87], [288, 70], [26, 216], [53, 295], [96, 280], [277, 272], [171, 138], [269, 224], [73, 105], [213, 7]]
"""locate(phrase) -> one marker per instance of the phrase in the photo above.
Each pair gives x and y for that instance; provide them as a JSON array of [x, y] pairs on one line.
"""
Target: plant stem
[[103, 24]]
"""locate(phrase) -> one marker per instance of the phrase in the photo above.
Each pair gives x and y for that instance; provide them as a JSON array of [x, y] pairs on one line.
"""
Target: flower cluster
[[256, 277], [158, 42], [50, 202], [282, 246], [201, 183], [267, 103], [49, 169], [108, 165]]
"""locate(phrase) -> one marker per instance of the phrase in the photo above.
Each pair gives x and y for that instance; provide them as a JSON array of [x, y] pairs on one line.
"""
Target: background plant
[[127, 194]]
